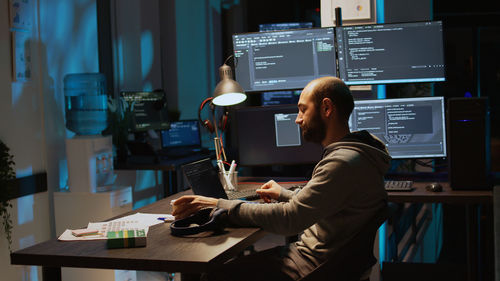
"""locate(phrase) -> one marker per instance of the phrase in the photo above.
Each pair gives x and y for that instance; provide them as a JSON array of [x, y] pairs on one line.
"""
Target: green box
[[126, 239]]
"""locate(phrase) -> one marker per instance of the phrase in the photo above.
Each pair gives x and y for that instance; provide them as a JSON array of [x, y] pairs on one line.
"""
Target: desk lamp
[[227, 93]]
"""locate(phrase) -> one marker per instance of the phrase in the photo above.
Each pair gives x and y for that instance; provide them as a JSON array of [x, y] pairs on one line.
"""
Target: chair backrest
[[355, 257]]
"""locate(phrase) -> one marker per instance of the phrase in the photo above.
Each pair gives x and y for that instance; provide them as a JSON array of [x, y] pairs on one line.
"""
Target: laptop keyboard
[[398, 185], [248, 194]]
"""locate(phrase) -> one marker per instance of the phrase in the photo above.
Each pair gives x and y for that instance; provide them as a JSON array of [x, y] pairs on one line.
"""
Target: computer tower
[[469, 157]]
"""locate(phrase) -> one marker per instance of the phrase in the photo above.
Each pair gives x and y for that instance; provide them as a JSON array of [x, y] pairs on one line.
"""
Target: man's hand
[[190, 204], [269, 191]]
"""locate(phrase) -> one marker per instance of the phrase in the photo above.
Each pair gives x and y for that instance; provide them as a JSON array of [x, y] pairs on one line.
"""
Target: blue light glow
[[147, 53], [28, 171], [88, 38], [380, 11], [381, 94], [147, 86], [382, 233], [30, 273], [144, 202], [63, 174], [17, 93], [25, 209], [26, 241], [145, 180], [120, 60]]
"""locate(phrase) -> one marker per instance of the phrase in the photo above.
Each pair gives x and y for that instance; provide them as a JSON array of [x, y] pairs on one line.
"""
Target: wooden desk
[[448, 196], [471, 199], [163, 252]]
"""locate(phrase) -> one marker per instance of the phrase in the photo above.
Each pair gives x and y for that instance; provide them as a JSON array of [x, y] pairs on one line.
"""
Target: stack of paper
[[99, 230]]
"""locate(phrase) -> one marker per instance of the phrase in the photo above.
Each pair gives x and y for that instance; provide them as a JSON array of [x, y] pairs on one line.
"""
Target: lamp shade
[[228, 92]]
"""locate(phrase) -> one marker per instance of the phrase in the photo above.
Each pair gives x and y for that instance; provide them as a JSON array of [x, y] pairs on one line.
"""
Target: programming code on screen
[[391, 53], [287, 131], [150, 110], [410, 128], [181, 133], [281, 60]]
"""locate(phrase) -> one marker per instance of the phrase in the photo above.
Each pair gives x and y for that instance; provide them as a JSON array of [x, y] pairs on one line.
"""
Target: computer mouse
[[434, 187]]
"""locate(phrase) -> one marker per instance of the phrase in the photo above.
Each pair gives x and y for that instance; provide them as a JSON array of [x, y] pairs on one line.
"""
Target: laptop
[[203, 177], [182, 139]]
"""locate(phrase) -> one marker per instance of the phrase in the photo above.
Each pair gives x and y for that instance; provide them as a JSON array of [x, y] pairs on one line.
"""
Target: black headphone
[[206, 123], [208, 219]]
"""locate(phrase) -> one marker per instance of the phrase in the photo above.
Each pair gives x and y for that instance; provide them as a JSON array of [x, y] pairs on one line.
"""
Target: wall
[[21, 129], [137, 45], [198, 52], [63, 39]]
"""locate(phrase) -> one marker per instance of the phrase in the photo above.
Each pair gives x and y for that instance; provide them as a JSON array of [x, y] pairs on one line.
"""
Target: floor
[[269, 241]]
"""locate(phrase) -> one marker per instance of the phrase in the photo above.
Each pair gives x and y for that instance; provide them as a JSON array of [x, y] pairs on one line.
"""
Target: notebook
[[203, 177], [182, 139]]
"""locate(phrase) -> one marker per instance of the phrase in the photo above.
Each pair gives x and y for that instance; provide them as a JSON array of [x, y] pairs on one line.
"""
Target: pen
[[233, 166], [167, 218], [221, 166]]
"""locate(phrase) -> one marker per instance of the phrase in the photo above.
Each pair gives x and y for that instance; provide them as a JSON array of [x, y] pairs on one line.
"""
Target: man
[[345, 191]]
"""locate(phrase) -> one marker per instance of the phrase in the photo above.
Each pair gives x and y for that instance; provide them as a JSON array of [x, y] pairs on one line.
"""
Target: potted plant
[[7, 176]]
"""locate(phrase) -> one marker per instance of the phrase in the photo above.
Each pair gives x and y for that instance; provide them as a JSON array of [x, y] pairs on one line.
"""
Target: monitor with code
[[391, 53], [409, 127], [283, 60], [181, 133]]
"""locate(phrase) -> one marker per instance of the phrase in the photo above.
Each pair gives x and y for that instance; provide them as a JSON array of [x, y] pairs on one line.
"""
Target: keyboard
[[398, 185], [248, 194]]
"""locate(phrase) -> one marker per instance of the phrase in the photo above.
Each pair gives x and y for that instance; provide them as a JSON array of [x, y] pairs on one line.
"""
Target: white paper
[[131, 222]]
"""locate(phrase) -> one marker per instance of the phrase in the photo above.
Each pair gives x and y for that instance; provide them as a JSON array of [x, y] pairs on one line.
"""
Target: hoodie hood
[[367, 145]]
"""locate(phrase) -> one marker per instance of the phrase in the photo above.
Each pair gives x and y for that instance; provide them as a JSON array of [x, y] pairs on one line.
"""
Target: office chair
[[355, 257]]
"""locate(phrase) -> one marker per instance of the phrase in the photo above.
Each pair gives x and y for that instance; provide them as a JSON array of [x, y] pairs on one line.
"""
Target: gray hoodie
[[346, 189]]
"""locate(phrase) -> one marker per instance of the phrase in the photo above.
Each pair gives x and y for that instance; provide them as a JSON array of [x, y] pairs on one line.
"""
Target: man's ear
[[327, 107]]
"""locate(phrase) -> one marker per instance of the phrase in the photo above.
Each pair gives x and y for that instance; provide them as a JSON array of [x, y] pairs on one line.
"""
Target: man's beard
[[315, 130]]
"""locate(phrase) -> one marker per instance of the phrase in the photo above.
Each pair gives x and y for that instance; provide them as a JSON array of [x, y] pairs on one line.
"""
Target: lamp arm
[[235, 60], [218, 142]]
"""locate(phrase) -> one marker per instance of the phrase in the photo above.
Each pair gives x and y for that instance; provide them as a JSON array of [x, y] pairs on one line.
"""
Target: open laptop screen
[[181, 134], [203, 178]]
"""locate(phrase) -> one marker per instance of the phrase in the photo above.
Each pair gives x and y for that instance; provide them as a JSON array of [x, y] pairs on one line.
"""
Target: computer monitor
[[284, 26], [280, 97], [287, 96], [283, 60], [184, 133], [410, 127], [268, 135], [149, 110], [391, 53]]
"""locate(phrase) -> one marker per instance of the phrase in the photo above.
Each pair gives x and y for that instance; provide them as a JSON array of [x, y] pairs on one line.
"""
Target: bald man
[[345, 191]]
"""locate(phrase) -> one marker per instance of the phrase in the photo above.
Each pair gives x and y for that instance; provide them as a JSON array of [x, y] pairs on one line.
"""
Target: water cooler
[[92, 195], [89, 154], [90, 163]]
